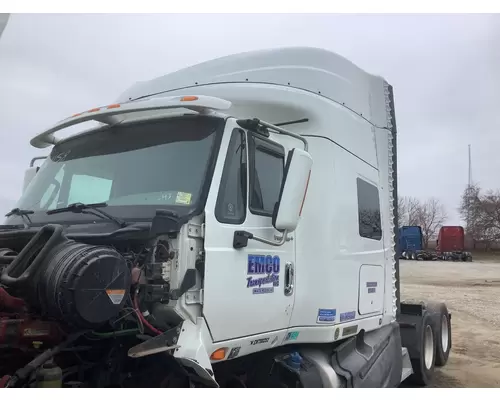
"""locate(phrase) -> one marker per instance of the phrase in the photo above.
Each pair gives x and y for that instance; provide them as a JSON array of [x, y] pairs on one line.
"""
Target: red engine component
[[24, 331], [3, 380], [11, 303]]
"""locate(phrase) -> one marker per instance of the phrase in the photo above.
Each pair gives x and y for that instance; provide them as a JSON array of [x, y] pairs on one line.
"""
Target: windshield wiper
[[24, 214], [83, 208]]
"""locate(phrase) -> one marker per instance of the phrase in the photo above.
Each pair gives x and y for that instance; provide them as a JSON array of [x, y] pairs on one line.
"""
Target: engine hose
[[144, 320], [116, 333], [24, 373]]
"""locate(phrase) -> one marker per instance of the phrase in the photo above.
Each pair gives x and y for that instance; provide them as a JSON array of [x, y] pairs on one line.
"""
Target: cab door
[[245, 290]]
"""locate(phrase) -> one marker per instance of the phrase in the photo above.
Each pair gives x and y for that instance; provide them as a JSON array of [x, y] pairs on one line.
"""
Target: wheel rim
[[428, 347], [444, 333]]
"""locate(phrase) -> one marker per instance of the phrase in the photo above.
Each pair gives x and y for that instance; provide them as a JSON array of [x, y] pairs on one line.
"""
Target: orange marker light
[[113, 106], [94, 110], [189, 98], [76, 115], [219, 354]]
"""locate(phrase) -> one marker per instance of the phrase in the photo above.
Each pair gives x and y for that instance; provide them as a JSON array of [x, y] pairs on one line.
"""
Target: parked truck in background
[[450, 244], [232, 224], [411, 241]]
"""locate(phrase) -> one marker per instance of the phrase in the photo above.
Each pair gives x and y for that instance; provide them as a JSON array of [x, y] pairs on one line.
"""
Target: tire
[[442, 331], [423, 366]]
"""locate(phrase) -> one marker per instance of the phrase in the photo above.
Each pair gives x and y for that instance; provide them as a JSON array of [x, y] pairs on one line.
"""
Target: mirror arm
[[241, 238]]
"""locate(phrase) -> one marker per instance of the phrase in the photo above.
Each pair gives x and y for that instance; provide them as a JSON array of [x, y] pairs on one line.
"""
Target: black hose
[[24, 373]]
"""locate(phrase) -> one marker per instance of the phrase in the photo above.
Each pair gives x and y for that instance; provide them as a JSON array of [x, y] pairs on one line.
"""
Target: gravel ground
[[472, 293]]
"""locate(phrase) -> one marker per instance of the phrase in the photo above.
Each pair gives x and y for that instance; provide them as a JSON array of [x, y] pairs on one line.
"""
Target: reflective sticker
[[115, 295], [347, 316], [183, 198], [326, 315], [292, 336], [350, 330]]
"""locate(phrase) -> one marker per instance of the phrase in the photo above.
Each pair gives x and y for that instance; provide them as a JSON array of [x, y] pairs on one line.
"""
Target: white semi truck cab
[[229, 224]]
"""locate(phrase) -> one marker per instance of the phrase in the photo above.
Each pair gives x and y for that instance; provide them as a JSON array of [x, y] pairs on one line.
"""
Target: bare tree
[[430, 216], [481, 213], [408, 210]]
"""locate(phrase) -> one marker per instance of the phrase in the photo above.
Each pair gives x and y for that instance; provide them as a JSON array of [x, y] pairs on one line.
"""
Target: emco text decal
[[266, 266]]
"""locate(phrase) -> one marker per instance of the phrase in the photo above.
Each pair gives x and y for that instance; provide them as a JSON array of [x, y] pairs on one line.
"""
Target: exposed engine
[[70, 310]]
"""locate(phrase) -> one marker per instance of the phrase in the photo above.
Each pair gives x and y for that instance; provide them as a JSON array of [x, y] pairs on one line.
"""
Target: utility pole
[[470, 170]]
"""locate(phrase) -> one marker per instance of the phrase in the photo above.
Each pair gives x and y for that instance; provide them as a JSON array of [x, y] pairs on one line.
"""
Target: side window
[[232, 198], [368, 210], [266, 175], [89, 189], [51, 195]]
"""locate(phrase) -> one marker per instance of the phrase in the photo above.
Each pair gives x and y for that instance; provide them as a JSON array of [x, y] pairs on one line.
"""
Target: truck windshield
[[134, 168]]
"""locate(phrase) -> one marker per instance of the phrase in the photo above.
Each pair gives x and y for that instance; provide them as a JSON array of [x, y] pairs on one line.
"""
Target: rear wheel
[[442, 331], [423, 366]]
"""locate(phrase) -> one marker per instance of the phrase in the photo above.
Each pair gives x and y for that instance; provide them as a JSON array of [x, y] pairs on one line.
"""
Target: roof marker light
[[111, 106], [189, 98], [94, 110]]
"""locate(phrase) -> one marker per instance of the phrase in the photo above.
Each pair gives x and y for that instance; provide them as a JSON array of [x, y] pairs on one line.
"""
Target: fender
[[192, 352]]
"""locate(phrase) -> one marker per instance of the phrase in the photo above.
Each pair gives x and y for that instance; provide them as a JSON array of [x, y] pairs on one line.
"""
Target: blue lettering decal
[[371, 284], [276, 264], [266, 265], [372, 290], [263, 290], [347, 316], [269, 264], [251, 265], [326, 315]]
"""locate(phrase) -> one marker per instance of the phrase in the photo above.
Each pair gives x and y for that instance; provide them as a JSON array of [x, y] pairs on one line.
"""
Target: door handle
[[289, 278]]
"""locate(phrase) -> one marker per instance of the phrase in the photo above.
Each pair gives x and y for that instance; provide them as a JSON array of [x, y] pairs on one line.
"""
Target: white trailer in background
[[286, 268]]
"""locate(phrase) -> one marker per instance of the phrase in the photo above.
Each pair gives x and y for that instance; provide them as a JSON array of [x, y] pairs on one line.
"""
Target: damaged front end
[[121, 313]]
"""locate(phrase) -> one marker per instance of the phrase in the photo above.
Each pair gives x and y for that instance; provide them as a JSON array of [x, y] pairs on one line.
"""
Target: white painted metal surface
[[4, 19], [348, 131]]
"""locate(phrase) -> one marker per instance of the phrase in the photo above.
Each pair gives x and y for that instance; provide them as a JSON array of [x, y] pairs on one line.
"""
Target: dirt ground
[[472, 293]]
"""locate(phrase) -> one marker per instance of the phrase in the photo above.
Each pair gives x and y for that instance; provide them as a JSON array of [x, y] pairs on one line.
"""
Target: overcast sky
[[445, 71]]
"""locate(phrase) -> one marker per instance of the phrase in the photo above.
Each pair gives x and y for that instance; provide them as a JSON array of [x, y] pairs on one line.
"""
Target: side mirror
[[29, 174], [287, 211]]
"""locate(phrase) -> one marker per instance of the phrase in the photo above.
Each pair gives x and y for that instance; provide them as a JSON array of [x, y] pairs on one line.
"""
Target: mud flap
[[192, 353], [371, 360]]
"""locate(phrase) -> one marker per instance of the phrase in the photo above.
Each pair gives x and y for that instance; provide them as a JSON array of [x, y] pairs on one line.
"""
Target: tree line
[[430, 215], [479, 209], [481, 212]]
